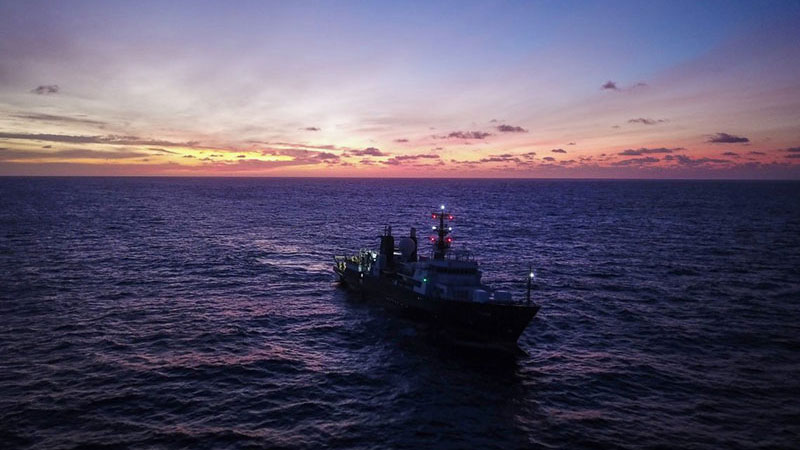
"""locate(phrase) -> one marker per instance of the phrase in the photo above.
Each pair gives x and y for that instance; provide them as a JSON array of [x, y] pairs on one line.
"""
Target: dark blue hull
[[489, 323]]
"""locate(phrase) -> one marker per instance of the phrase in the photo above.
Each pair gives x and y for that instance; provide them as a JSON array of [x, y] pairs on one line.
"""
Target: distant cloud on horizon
[[369, 151], [397, 160], [645, 151], [636, 161], [725, 138]]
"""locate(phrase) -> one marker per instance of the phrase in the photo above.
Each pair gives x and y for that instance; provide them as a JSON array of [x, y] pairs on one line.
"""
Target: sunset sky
[[397, 89]]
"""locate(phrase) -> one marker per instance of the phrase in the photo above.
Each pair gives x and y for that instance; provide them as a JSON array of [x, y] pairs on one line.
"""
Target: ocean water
[[203, 313]]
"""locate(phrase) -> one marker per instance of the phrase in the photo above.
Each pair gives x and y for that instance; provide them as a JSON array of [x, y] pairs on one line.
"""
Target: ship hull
[[469, 322]]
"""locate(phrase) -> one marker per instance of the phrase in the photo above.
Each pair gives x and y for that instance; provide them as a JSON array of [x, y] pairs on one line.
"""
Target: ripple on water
[[201, 313]]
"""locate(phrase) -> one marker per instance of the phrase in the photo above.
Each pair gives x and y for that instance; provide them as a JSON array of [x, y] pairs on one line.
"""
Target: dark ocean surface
[[203, 313]]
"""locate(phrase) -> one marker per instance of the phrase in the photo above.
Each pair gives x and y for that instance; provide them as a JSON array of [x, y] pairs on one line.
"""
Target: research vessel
[[444, 288]]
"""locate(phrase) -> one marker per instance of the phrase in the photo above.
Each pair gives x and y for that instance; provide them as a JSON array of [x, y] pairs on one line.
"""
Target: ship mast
[[442, 241]]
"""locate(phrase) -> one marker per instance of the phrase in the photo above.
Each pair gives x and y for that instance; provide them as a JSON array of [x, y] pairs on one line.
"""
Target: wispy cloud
[[397, 160], [163, 150], [694, 162], [645, 121], [510, 129], [369, 151], [70, 154], [109, 139], [725, 138], [45, 89], [401, 141], [609, 85], [504, 158], [58, 119], [465, 135], [558, 150], [311, 128], [645, 151], [614, 86], [636, 161]]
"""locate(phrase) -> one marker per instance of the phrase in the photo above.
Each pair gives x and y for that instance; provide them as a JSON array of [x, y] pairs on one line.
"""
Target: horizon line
[[399, 178]]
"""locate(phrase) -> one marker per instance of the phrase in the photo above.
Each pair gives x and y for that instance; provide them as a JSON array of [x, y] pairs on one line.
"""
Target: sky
[[529, 89]]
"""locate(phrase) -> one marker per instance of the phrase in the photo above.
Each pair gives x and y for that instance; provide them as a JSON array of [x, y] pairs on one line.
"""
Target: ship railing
[[460, 255]]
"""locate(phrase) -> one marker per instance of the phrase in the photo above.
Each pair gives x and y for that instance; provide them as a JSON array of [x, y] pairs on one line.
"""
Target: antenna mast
[[442, 241]]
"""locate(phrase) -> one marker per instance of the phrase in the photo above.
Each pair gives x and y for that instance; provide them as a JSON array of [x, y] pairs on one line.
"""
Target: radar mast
[[442, 241]]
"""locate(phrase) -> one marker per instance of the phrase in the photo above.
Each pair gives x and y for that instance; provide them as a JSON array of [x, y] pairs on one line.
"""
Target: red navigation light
[[433, 238], [450, 217], [449, 240], [433, 216]]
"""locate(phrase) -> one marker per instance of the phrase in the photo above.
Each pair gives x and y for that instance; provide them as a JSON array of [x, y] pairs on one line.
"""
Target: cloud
[[311, 128], [793, 155], [734, 154], [610, 85], [300, 156], [507, 157], [109, 139], [45, 89], [6, 155], [466, 135], [401, 141], [691, 162], [792, 150], [645, 121], [725, 138], [58, 119], [510, 129], [558, 150], [757, 153], [636, 161], [188, 156], [571, 143], [613, 86], [325, 157], [397, 160], [369, 151], [549, 158], [161, 150], [646, 151]]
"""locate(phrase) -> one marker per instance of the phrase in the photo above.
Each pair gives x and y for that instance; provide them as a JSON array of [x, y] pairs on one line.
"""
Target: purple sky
[[518, 89]]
